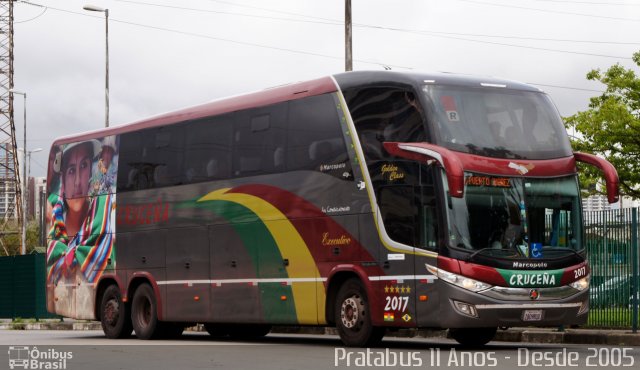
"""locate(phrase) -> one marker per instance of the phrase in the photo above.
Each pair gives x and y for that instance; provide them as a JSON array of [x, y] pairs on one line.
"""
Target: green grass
[[614, 317]]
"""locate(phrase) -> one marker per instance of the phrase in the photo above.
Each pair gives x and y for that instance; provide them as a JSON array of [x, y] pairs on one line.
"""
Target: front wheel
[[353, 316], [473, 337], [144, 313], [114, 314]]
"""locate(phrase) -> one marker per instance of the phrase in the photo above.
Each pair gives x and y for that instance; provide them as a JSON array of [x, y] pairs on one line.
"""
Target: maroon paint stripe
[[569, 275], [535, 168]]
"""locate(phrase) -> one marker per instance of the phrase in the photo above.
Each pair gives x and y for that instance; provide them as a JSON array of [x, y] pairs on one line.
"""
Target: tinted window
[[152, 158], [385, 114], [130, 157], [258, 140], [315, 140], [406, 197], [497, 122], [208, 149]]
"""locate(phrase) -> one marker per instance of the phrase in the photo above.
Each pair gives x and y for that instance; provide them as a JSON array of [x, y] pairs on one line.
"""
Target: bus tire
[[144, 313], [353, 318], [114, 314], [473, 337]]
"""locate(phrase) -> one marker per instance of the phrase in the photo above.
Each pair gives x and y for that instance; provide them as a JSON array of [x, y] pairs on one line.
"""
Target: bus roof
[[296, 91], [416, 79]]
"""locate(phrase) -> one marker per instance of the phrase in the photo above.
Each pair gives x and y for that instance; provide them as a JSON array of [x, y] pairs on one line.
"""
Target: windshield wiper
[[562, 249], [470, 257]]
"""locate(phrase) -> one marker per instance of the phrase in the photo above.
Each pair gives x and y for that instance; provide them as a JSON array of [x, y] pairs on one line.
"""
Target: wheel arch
[[140, 278], [336, 279], [105, 281]]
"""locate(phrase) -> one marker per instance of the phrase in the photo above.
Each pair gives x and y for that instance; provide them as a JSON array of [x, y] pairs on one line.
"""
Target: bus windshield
[[496, 122], [517, 218]]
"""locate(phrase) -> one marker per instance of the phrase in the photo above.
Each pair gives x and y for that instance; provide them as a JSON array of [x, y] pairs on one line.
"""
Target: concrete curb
[[516, 335]]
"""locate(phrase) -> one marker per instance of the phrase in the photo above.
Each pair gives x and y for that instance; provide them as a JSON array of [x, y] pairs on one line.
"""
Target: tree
[[611, 127]]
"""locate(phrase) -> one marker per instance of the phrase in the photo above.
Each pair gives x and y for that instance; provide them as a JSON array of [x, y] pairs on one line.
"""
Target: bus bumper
[[461, 308]]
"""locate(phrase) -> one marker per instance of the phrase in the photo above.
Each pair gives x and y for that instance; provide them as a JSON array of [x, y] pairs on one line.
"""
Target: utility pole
[[348, 51], [10, 187]]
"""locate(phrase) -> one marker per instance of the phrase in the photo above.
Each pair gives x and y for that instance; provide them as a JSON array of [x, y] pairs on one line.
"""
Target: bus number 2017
[[582, 271], [396, 304]]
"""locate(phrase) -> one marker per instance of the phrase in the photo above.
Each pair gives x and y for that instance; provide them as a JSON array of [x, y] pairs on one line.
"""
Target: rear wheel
[[144, 313], [114, 314], [353, 316], [473, 337]]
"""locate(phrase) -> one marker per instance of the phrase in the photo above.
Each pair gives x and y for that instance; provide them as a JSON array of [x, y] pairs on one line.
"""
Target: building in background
[[595, 203], [35, 193]]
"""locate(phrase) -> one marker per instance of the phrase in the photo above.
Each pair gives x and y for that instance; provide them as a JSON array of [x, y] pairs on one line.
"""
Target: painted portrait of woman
[[80, 240]]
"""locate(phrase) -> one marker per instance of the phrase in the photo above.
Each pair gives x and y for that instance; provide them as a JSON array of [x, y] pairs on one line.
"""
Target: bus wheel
[[473, 337], [114, 314], [353, 319], [144, 314]]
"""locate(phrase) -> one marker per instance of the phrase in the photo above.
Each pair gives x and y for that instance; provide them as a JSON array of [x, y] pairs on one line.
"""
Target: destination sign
[[497, 182]]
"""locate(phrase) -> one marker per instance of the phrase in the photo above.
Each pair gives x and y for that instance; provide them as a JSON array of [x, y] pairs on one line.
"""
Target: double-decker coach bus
[[365, 200]]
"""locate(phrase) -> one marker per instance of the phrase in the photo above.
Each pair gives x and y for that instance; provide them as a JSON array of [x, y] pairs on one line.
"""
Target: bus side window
[[385, 114], [129, 160], [208, 149], [162, 156], [428, 216], [314, 138], [258, 135], [399, 211]]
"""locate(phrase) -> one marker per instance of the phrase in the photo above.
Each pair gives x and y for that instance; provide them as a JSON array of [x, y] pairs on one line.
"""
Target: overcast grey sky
[[166, 55]]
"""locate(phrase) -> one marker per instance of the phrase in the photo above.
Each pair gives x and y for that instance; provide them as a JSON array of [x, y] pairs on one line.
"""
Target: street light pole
[[93, 8], [29, 152], [23, 232]]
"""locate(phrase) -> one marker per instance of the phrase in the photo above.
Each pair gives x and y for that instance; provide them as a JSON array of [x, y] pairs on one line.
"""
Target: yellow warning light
[[283, 297]]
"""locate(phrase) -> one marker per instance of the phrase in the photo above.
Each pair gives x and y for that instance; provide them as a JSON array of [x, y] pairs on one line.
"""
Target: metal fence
[[22, 287], [612, 247]]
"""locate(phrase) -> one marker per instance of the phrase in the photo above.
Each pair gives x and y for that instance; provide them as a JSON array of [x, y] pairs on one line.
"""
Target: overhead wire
[[319, 54], [44, 10], [550, 11], [329, 21], [425, 33], [584, 2]]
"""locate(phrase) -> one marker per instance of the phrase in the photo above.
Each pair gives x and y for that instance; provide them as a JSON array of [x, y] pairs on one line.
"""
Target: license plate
[[532, 315]]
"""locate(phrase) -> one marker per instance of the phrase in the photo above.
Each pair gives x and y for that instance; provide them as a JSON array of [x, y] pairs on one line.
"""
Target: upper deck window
[[497, 122]]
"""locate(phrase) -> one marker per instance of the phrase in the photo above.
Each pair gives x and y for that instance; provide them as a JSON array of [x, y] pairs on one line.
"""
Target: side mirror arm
[[610, 174], [425, 152]]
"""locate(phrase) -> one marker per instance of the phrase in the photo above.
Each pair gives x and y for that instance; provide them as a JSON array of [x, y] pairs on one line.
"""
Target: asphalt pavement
[[516, 335]]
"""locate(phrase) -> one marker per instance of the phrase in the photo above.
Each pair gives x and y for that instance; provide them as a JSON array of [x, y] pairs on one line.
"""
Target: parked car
[[615, 292]]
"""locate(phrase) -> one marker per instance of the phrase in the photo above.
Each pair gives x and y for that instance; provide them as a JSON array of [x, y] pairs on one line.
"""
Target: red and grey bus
[[365, 201]]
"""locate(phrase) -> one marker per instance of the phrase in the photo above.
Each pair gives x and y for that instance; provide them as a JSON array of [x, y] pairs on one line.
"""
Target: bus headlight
[[581, 284], [459, 280]]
